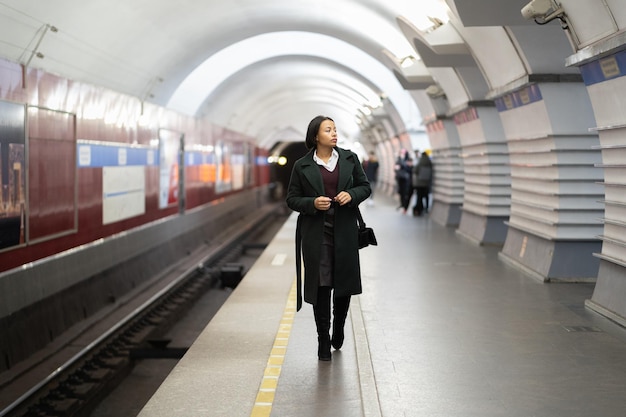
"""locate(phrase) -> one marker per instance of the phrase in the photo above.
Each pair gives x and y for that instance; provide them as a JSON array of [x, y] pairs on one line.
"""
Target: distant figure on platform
[[403, 178], [326, 187], [370, 166], [422, 181]]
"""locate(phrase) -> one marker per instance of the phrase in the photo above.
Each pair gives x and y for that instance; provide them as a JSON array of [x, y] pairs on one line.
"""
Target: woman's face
[[327, 135]]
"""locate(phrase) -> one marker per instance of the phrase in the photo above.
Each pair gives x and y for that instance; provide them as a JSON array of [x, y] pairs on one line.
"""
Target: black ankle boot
[[337, 340], [323, 348]]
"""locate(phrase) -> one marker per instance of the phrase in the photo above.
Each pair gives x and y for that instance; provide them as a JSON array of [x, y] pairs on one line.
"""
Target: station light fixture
[[407, 61]]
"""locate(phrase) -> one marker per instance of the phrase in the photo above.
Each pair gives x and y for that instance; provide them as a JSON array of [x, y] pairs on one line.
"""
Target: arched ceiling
[[289, 88], [264, 68]]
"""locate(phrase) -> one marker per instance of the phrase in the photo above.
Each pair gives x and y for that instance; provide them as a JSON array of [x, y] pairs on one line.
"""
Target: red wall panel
[[65, 201], [52, 173]]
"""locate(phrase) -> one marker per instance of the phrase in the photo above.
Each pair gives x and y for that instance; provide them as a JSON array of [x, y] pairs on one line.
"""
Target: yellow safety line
[[267, 390]]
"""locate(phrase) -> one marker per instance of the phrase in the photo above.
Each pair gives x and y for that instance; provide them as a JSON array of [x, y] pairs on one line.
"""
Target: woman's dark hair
[[311, 132]]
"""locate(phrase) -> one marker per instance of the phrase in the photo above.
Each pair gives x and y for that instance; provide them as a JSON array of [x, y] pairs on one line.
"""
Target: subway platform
[[444, 328]]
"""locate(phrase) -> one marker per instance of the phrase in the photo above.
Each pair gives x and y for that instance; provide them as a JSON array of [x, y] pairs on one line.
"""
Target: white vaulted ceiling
[[263, 68]]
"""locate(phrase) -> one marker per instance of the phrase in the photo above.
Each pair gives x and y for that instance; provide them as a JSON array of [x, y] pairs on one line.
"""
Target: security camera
[[537, 8]]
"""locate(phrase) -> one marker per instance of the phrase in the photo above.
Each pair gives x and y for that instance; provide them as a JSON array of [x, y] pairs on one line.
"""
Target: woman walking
[[326, 187]]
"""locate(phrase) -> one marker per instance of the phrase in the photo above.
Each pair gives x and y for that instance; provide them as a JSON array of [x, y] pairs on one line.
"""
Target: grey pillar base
[[552, 260], [446, 214], [608, 299], [483, 230]]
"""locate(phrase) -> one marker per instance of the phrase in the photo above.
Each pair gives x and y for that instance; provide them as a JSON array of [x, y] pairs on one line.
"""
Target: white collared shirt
[[332, 161]]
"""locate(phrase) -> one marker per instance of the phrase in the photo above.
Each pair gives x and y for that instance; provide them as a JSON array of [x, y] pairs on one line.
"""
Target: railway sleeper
[[84, 390], [57, 407]]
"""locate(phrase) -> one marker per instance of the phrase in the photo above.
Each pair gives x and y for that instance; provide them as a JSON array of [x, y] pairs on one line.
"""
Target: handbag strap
[[360, 218]]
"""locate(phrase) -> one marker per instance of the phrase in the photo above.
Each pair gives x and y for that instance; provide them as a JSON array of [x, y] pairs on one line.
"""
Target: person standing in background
[[422, 181], [370, 166], [403, 178]]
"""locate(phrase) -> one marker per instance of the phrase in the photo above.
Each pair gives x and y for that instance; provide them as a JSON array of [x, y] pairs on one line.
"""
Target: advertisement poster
[[124, 193], [169, 149], [12, 174], [238, 165], [223, 180]]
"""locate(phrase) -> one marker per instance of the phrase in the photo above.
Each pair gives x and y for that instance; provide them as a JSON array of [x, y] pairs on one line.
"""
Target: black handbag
[[366, 234]]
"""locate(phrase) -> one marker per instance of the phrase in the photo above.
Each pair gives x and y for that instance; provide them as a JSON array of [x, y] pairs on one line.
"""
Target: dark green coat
[[305, 186]]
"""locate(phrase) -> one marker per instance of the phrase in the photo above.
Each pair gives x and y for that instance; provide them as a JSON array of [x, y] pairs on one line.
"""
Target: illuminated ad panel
[[12, 174]]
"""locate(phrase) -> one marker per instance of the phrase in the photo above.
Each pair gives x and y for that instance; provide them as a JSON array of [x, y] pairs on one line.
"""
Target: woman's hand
[[343, 198], [322, 203]]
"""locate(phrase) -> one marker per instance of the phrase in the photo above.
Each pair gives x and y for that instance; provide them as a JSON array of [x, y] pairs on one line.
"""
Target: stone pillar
[[604, 73], [448, 172], [487, 194], [556, 188]]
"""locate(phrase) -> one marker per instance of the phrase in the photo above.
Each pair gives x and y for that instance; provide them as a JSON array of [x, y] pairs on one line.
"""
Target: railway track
[[81, 382]]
